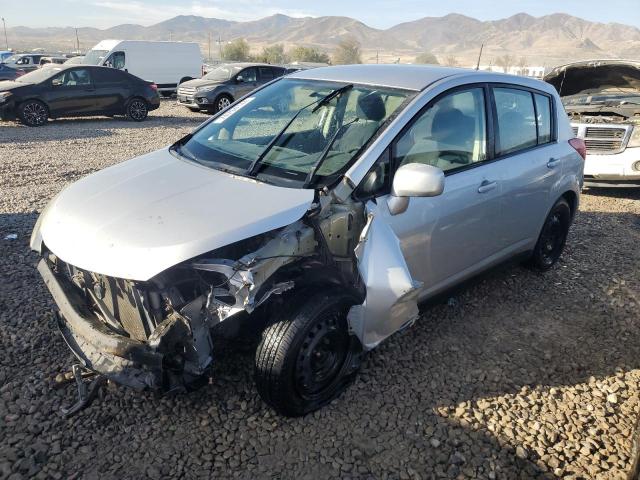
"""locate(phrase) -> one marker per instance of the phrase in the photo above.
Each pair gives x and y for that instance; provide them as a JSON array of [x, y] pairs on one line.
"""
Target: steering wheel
[[454, 156]]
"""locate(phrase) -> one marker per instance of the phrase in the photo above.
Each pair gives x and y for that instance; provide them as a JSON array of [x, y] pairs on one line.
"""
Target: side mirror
[[414, 180]]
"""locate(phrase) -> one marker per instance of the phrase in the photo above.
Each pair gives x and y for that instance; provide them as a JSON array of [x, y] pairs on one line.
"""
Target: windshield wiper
[[323, 156], [252, 170]]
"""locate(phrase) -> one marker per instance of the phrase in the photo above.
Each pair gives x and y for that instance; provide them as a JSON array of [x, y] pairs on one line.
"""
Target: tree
[[348, 52], [427, 58], [505, 62], [236, 50], [522, 65], [273, 54], [451, 61], [308, 54]]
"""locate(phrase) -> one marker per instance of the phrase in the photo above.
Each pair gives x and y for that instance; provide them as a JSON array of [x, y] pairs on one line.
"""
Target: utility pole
[[209, 55], [77, 42], [6, 41], [170, 35], [479, 56], [220, 46]]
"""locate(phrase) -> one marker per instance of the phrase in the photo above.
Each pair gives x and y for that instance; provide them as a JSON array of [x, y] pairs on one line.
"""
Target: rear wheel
[[307, 358], [553, 237], [137, 109], [33, 113]]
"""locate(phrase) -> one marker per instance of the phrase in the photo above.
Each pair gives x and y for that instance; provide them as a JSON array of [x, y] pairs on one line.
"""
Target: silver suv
[[316, 229]]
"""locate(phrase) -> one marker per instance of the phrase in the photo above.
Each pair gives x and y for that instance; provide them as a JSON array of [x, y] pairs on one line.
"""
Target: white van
[[167, 64]]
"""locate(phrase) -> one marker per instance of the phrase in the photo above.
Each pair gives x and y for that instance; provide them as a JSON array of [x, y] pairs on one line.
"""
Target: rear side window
[[267, 73], [543, 113], [516, 120], [107, 75]]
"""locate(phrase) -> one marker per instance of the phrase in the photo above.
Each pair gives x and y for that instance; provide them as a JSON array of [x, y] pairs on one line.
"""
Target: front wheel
[[137, 110], [33, 113], [222, 102], [552, 238], [307, 358]]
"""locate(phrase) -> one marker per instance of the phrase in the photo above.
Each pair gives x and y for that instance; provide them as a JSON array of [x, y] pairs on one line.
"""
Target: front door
[[247, 81], [451, 236], [72, 91]]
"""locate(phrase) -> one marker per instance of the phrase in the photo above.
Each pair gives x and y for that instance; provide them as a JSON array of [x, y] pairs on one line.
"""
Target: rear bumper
[[154, 102], [122, 359]]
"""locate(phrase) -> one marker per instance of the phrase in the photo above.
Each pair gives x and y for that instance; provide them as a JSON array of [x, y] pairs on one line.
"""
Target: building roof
[[408, 77]]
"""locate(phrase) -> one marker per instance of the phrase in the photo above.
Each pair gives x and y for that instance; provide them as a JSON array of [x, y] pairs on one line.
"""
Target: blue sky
[[376, 13]]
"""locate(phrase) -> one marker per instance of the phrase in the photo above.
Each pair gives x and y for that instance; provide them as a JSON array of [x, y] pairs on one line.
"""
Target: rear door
[[532, 160], [72, 91], [113, 87]]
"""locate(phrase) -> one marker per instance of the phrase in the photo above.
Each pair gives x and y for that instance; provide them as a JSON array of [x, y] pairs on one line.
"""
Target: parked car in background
[[53, 60], [77, 60], [24, 61], [63, 91], [316, 228], [167, 64], [602, 99], [224, 84], [8, 73]]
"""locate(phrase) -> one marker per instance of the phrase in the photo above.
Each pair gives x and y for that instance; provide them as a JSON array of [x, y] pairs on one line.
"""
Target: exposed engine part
[[86, 394]]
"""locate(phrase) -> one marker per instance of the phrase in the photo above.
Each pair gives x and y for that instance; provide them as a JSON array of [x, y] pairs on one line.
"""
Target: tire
[[33, 113], [222, 102], [194, 110], [137, 109], [307, 358], [552, 239], [166, 94]]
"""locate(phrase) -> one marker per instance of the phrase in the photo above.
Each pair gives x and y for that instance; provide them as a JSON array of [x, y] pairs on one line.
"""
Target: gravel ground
[[520, 375]]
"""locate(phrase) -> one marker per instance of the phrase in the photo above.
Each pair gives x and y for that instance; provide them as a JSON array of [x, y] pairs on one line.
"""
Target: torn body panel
[[392, 294]]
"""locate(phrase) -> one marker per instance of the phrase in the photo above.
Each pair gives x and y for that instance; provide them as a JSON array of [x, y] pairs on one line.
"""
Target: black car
[[8, 73], [224, 84], [76, 90]]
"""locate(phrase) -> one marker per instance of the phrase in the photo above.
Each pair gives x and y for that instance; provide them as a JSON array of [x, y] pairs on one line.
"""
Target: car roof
[[408, 77]]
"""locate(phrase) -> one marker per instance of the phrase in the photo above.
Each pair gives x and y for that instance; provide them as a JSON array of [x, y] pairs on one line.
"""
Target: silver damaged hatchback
[[310, 218]]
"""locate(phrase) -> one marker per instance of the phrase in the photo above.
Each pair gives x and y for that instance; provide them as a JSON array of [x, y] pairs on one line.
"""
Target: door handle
[[553, 162], [487, 186]]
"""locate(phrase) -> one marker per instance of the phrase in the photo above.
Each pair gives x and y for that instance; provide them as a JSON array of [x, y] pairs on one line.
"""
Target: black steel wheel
[[137, 109], [553, 237], [307, 358], [33, 113]]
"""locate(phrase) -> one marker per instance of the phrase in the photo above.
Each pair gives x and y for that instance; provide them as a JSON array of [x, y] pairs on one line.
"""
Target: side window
[[104, 76], [72, 78], [449, 134], [516, 120], [543, 110], [267, 74], [23, 61], [116, 60], [248, 75]]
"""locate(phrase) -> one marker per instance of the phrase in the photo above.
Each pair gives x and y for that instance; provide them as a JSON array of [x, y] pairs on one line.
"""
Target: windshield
[[12, 59], [222, 73], [95, 57], [39, 75], [331, 123]]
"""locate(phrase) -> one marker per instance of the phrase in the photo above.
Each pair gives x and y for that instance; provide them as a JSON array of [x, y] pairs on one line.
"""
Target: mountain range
[[546, 40]]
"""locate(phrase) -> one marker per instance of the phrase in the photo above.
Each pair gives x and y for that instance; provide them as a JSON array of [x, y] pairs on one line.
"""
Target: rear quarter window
[[516, 120]]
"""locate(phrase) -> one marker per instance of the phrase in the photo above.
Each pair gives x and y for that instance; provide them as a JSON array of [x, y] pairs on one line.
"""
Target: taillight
[[154, 86], [580, 147]]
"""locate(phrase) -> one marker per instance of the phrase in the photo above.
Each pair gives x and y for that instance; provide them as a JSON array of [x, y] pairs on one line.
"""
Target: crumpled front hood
[[138, 218], [594, 76]]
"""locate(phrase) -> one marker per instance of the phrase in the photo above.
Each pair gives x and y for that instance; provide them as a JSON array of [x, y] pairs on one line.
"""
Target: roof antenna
[[479, 56]]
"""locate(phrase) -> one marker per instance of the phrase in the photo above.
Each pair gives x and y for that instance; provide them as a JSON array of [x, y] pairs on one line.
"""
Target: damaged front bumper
[[119, 358]]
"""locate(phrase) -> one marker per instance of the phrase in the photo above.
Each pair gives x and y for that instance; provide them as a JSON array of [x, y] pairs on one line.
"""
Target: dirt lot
[[520, 375]]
